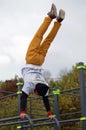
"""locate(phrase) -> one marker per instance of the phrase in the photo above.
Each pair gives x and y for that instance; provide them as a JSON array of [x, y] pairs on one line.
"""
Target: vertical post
[[19, 85], [56, 92], [81, 68]]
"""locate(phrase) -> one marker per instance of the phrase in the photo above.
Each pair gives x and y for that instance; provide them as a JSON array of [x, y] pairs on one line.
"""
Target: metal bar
[[41, 124], [44, 119], [70, 120], [13, 94], [3, 91], [19, 98], [50, 123], [34, 120], [72, 94], [81, 68], [56, 109], [36, 98], [72, 113], [30, 121], [9, 119], [57, 125], [13, 123], [69, 90], [54, 122], [40, 119]]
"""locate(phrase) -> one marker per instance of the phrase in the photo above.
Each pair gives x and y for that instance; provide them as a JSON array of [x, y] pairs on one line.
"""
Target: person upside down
[[34, 81]]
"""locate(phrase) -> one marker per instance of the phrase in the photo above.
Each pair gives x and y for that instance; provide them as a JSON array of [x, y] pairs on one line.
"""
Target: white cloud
[[4, 59]]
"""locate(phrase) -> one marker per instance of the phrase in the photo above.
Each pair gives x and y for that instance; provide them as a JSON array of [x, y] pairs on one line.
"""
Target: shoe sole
[[53, 8], [61, 14]]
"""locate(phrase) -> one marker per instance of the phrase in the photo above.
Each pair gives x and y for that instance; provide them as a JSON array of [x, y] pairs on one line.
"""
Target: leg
[[33, 52], [48, 40], [35, 43]]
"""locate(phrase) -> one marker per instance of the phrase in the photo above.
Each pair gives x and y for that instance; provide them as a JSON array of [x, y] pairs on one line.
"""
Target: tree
[[47, 75], [70, 101]]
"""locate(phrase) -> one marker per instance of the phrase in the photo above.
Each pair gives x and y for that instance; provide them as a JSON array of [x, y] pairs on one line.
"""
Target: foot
[[53, 12], [61, 16]]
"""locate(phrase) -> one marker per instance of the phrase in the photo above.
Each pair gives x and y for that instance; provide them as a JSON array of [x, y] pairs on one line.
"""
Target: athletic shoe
[[53, 12], [61, 16]]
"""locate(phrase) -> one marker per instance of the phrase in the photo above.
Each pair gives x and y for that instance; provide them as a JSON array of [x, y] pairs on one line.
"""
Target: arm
[[23, 104], [47, 105]]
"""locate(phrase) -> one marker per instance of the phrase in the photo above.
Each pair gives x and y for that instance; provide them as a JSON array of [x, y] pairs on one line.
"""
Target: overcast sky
[[19, 20]]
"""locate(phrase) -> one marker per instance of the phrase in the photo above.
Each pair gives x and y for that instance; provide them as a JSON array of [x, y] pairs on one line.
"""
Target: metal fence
[[65, 124]]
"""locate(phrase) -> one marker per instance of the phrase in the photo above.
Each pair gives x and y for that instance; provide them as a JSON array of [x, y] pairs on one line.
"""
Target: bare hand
[[22, 115], [51, 117]]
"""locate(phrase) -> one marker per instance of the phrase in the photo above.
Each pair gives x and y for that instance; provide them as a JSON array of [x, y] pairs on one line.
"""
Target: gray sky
[[19, 20]]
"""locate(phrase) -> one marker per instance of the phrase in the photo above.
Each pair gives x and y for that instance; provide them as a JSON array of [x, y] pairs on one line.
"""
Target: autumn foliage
[[69, 103]]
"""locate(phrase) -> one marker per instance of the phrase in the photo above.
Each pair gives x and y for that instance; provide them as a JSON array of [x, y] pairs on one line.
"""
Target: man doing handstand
[[35, 57]]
